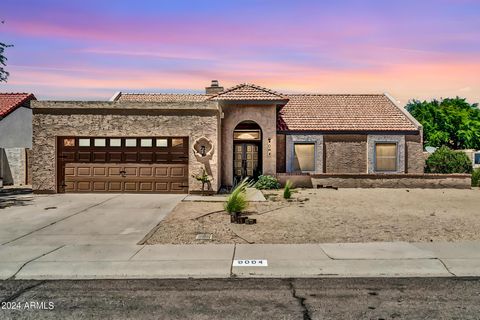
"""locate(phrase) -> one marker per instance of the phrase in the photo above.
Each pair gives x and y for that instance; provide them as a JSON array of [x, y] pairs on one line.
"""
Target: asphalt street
[[327, 298]]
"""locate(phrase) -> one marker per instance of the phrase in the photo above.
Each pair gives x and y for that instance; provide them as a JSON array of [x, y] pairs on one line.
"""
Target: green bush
[[476, 178], [267, 182], [237, 200], [445, 160], [287, 192]]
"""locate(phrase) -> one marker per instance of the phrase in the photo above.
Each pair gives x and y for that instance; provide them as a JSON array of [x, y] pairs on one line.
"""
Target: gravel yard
[[327, 215]]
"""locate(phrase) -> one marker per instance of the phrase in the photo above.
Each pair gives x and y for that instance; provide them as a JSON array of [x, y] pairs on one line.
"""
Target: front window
[[115, 142], [69, 142], [304, 157], [146, 142], [83, 142], [99, 142], [177, 142], [385, 157], [130, 142], [246, 135]]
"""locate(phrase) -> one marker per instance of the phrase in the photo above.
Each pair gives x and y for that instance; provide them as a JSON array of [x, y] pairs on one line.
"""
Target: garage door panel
[[84, 157], [84, 171], [69, 171], [83, 186], [100, 186], [99, 172], [114, 157], [131, 171], [177, 172], [146, 186], [99, 156], [145, 171], [130, 156], [145, 156], [161, 186], [115, 186], [130, 186], [114, 171], [161, 172], [177, 186]]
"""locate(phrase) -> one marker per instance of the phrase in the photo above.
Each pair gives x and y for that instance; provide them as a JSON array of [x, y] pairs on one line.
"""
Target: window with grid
[[385, 157]]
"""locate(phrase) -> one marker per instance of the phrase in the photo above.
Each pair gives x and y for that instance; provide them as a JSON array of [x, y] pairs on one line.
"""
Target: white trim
[[115, 96]]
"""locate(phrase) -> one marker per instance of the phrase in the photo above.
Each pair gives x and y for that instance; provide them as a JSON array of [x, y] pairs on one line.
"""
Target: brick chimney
[[214, 88]]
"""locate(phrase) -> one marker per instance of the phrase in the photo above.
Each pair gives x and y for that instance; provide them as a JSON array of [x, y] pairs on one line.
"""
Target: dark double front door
[[246, 160]]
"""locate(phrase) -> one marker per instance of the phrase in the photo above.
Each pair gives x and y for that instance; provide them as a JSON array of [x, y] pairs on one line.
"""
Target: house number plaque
[[250, 263], [269, 147]]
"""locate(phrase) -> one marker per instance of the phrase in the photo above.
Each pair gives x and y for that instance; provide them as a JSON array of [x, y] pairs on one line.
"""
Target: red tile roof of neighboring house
[[11, 101], [246, 91], [161, 97], [342, 112]]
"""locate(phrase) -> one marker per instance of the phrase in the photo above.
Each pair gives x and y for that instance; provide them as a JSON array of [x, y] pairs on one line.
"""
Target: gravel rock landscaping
[[328, 215]]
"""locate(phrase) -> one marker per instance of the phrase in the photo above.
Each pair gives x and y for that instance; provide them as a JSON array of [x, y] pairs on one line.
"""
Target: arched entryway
[[247, 150]]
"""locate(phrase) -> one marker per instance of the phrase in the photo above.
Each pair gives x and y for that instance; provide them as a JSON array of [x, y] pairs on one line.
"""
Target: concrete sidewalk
[[377, 259]]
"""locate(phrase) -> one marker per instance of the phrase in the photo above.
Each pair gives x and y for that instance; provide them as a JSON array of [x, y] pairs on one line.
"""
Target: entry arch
[[247, 150]]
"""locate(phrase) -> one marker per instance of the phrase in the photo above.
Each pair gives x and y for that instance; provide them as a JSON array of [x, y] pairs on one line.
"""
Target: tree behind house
[[450, 122]]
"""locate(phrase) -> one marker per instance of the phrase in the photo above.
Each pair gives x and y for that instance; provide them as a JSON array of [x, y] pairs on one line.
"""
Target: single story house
[[15, 138], [160, 142]]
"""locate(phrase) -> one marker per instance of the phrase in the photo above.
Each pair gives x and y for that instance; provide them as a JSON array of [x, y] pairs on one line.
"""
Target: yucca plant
[[287, 191], [237, 200]]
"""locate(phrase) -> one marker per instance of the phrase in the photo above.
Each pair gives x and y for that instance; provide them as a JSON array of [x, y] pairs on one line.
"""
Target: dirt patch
[[326, 215]]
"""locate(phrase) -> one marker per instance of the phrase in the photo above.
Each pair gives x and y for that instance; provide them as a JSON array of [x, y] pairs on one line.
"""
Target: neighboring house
[[15, 137], [160, 142], [473, 155]]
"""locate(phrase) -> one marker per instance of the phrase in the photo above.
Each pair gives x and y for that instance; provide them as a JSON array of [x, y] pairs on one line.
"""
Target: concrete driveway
[[69, 219]]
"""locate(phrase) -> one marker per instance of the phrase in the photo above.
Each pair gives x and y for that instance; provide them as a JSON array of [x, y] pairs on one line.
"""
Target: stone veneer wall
[[345, 153], [427, 181], [291, 139], [47, 126], [398, 139], [414, 154]]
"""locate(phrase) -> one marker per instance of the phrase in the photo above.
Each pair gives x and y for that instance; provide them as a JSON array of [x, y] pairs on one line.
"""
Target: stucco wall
[[13, 166], [291, 139], [265, 116], [345, 153], [46, 127], [16, 129]]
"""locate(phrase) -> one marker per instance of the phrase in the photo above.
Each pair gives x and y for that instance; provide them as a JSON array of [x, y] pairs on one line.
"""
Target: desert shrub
[[445, 160], [267, 182], [476, 178], [287, 191], [237, 200]]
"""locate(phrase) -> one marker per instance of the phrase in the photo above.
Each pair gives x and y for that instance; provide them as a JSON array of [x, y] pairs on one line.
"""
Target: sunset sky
[[87, 49]]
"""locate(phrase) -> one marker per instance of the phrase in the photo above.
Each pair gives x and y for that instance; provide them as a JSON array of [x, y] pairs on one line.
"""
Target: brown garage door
[[123, 164], [160, 178]]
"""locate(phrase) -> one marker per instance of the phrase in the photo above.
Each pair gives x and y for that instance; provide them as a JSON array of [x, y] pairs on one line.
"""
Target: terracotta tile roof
[[246, 91], [329, 112], [11, 101], [161, 97]]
